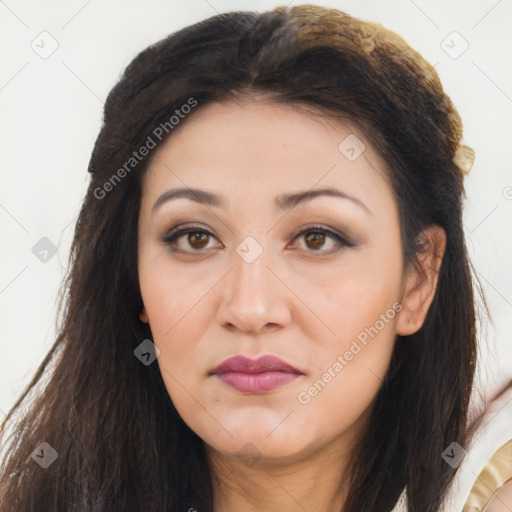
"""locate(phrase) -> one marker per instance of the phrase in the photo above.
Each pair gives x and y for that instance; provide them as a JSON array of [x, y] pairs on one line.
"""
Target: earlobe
[[421, 281], [143, 316]]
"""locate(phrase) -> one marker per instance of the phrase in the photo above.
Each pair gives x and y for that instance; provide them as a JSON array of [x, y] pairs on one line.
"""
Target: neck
[[309, 483]]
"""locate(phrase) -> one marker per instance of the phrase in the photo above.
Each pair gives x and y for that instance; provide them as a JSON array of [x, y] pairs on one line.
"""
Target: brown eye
[[198, 239], [315, 239], [189, 240], [321, 240]]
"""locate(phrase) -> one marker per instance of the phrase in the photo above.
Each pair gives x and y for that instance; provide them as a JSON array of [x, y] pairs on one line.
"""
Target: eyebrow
[[283, 201]]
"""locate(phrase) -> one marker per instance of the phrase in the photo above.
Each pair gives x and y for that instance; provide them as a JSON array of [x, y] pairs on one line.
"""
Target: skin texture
[[299, 299]]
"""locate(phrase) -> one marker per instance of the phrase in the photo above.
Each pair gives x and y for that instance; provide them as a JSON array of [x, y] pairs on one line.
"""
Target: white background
[[51, 112]]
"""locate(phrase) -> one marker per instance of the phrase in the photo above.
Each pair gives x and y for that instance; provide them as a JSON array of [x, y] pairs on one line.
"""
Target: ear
[[143, 316], [421, 281]]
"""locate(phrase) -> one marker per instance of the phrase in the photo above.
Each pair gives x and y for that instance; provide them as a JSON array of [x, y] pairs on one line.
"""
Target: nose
[[253, 299]]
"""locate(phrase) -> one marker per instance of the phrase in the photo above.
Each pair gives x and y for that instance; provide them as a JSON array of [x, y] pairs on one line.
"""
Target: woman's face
[[255, 275]]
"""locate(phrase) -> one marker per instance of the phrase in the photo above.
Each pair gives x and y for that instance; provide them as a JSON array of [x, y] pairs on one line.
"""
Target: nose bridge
[[250, 276], [252, 297]]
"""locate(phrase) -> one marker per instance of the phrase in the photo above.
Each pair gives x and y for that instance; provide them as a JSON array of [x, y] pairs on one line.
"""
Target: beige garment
[[495, 473]]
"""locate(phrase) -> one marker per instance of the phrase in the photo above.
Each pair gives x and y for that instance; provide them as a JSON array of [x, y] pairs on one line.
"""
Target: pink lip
[[256, 375]]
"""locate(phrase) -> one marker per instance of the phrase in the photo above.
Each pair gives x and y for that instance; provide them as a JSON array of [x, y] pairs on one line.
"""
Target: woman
[[270, 302]]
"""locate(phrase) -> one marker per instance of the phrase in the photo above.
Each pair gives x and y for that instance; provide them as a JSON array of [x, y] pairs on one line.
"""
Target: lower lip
[[257, 382]]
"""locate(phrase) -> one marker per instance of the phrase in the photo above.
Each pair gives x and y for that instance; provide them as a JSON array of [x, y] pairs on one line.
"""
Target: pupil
[[198, 240], [316, 239]]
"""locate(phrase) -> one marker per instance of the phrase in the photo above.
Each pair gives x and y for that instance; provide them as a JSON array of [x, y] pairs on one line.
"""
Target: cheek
[[348, 369], [342, 398], [348, 297], [171, 294], [178, 323], [179, 311], [349, 361]]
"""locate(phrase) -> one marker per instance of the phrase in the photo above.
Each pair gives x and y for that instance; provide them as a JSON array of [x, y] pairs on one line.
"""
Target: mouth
[[256, 375]]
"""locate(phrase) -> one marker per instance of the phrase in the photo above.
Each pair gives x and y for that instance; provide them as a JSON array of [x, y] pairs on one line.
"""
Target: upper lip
[[262, 364]]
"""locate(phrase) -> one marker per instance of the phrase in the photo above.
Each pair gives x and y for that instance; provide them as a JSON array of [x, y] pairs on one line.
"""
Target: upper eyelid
[[183, 230], [328, 231]]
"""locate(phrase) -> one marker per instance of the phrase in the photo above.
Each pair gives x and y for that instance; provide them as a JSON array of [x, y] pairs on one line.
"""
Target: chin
[[258, 446]]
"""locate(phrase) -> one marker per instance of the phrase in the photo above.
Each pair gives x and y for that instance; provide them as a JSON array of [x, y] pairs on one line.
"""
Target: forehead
[[252, 148]]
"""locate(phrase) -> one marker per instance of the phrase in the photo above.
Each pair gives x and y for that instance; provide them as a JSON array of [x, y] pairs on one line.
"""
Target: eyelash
[[172, 237]]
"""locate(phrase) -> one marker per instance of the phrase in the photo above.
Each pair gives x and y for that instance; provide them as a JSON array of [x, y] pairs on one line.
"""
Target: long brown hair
[[120, 444]]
